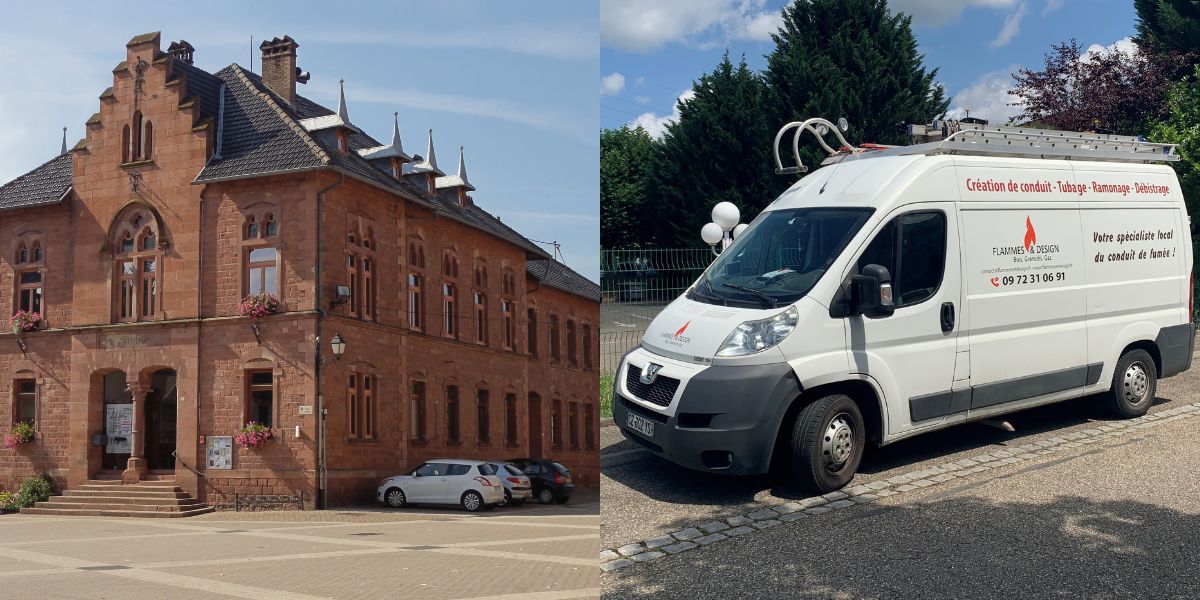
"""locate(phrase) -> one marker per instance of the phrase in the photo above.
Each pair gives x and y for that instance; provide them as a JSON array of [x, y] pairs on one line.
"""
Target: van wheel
[[1134, 384], [827, 443]]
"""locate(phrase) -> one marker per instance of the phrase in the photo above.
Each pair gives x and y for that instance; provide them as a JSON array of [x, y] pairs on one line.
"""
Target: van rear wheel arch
[[1150, 347]]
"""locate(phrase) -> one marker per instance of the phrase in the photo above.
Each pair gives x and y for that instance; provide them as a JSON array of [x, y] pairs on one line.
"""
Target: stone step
[[171, 501], [92, 512], [144, 482], [126, 493], [135, 487], [118, 506]]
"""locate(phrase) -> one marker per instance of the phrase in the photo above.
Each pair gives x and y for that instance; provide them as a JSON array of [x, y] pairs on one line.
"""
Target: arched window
[[37, 252], [125, 144], [136, 265], [416, 285], [148, 141], [260, 257], [22, 254], [136, 146], [29, 274], [360, 268]]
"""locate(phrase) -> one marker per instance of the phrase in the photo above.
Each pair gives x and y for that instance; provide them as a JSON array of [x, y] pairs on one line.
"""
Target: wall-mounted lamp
[[21, 344], [338, 345], [341, 296]]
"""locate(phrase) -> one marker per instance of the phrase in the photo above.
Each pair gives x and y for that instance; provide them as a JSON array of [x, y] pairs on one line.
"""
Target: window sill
[[362, 440], [454, 444], [418, 442], [137, 163]]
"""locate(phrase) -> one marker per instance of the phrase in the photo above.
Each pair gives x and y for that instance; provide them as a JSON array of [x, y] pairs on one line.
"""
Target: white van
[[904, 290]]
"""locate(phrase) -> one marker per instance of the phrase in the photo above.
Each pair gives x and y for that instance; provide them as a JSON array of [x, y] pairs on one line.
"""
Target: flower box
[[20, 434], [23, 321], [253, 435], [257, 306]]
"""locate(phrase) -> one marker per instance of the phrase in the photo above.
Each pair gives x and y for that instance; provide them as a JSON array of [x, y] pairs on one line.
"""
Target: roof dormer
[[425, 170], [457, 184], [336, 127], [389, 157]]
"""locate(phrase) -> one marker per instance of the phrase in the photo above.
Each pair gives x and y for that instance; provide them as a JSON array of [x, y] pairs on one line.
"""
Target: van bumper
[[725, 420]]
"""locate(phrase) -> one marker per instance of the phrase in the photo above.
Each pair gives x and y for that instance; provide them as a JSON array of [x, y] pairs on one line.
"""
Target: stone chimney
[[279, 67], [182, 51]]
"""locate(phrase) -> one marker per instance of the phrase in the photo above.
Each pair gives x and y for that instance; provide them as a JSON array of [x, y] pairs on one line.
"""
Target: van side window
[[918, 240]]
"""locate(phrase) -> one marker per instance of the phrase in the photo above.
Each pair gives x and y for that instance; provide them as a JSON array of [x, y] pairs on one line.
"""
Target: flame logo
[[1030, 234], [682, 329]]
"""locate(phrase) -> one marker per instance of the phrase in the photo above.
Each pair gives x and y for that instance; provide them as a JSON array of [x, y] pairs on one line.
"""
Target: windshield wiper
[[710, 294], [766, 297]]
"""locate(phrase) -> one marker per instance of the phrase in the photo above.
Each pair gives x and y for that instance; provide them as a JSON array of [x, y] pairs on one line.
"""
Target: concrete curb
[[767, 515]]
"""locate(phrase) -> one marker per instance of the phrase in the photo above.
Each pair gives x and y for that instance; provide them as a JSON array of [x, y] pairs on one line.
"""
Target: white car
[[517, 488], [472, 484]]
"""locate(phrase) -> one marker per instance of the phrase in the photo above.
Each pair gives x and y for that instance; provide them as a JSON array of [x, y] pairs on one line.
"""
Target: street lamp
[[338, 345], [724, 228]]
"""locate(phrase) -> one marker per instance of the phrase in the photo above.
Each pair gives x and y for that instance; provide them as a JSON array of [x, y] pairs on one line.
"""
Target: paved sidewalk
[[1110, 511], [534, 552]]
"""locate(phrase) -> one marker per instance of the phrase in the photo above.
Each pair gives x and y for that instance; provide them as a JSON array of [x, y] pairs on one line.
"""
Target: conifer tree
[[625, 156], [854, 59]]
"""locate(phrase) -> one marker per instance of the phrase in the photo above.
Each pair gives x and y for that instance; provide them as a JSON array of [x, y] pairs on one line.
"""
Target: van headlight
[[755, 336]]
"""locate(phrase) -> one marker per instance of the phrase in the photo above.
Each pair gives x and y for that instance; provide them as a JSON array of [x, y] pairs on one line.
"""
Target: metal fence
[[635, 286]]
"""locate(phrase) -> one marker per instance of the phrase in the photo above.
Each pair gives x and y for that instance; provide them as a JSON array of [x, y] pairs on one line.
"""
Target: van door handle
[[947, 316]]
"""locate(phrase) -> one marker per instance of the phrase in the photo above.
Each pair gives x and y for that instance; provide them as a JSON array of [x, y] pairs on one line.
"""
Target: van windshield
[[780, 257]]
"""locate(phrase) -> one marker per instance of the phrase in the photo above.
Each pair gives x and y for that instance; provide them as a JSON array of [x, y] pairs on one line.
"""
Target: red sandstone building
[[193, 190]]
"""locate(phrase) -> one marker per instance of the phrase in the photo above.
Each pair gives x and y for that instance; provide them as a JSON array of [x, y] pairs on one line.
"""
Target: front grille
[[661, 392], [634, 407]]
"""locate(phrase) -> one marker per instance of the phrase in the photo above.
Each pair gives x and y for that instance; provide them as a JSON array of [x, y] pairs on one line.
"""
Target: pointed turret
[[393, 150], [340, 119], [427, 164], [458, 180], [64, 143]]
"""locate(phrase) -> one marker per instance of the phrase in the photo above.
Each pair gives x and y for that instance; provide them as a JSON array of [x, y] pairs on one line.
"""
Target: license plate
[[640, 424]]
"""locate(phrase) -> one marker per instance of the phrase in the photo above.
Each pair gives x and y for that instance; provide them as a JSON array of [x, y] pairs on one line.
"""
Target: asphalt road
[[1111, 519]]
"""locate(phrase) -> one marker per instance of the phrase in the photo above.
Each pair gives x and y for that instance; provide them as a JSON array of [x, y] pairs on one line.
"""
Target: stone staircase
[[108, 498]]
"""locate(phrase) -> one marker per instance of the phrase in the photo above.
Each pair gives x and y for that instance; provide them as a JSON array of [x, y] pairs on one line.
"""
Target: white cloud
[[565, 42], [987, 98], [933, 13], [495, 108], [655, 124], [641, 80], [1124, 45], [642, 99], [612, 84], [1011, 27], [646, 25], [1052, 5]]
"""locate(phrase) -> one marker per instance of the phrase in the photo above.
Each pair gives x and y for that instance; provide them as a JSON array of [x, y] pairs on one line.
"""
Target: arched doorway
[[160, 421], [118, 422]]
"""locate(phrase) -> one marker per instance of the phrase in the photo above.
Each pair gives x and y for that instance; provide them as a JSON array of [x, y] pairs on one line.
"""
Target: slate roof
[[259, 134], [47, 184], [557, 275]]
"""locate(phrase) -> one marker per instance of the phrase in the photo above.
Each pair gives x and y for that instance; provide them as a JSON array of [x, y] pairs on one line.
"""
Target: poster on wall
[[119, 428], [219, 452]]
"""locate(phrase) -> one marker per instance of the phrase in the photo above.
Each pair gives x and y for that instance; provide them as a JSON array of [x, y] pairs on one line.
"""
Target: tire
[[394, 497], [472, 501], [562, 500], [1134, 384], [828, 438], [545, 496], [507, 498]]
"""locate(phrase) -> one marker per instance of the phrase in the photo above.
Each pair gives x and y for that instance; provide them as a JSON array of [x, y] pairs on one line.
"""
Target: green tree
[[625, 157], [853, 59], [718, 150], [1165, 26], [1183, 127]]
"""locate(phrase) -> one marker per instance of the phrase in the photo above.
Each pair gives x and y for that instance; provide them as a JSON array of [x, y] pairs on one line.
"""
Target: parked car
[[517, 487], [551, 481], [472, 484]]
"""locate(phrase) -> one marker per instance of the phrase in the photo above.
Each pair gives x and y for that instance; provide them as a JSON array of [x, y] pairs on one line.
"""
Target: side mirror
[[871, 292]]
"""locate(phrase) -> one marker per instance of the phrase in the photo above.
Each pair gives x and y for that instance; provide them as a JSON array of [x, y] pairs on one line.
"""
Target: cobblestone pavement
[[723, 525], [534, 552]]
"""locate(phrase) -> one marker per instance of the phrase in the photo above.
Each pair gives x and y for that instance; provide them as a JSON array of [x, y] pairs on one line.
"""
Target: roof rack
[[956, 137]]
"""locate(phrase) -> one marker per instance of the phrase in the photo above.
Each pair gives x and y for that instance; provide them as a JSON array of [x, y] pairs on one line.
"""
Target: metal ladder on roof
[[984, 140]]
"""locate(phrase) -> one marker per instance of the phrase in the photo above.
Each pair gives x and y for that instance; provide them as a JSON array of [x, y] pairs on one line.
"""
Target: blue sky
[[652, 50], [514, 83]]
